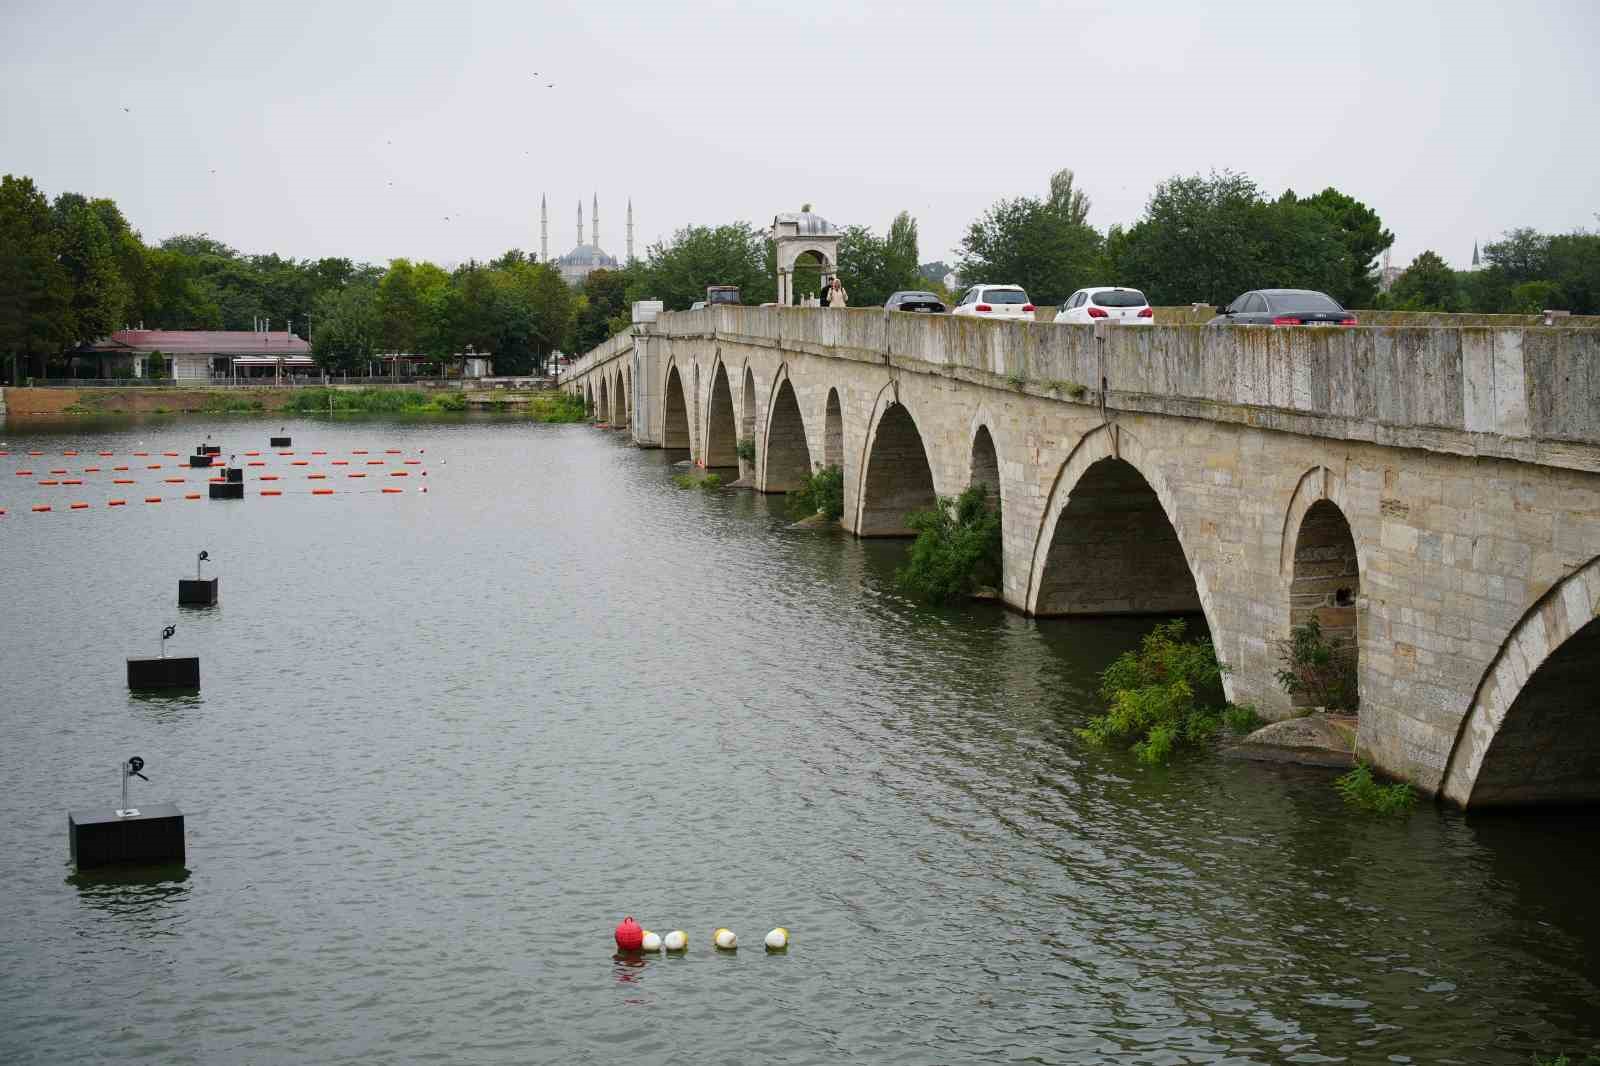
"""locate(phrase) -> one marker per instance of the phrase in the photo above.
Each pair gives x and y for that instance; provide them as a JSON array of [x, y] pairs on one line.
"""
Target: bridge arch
[[675, 412], [602, 406], [833, 431], [721, 430], [1320, 562], [1532, 735], [787, 455], [896, 476], [1111, 540], [748, 417], [619, 417]]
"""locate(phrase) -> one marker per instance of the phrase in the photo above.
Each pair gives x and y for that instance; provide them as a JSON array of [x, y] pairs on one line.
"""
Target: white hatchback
[[1126, 307], [995, 301]]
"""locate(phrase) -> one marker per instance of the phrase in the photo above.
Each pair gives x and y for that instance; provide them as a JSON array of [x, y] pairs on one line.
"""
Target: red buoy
[[630, 937]]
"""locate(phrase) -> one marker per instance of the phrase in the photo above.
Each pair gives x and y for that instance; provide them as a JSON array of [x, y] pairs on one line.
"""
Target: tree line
[[72, 270]]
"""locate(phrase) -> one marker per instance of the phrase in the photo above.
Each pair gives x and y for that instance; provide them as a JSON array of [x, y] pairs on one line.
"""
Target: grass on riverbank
[[385, 401], [553, 406]]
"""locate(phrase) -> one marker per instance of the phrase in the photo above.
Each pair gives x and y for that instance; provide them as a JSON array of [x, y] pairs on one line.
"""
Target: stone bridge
[[1433, 491]]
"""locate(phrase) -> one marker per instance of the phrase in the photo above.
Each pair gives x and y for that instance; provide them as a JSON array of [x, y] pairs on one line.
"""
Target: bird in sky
[[128, 110], [551, 85]]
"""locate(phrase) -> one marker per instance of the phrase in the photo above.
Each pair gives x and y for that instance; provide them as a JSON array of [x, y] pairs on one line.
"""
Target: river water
[[446, 740]]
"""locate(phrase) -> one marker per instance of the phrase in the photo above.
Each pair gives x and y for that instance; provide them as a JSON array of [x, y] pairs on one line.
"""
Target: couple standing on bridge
[[833, 294]]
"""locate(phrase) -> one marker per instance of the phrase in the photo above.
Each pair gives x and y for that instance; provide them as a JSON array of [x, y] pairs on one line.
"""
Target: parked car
[[1284, 307], [722, 295], [697, 305], [995, 301], [925, 302], [1108, 304]]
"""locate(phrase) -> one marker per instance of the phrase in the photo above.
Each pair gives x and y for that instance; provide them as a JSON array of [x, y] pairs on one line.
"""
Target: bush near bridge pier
[[823, 493], [957, 549], [1165, 696]]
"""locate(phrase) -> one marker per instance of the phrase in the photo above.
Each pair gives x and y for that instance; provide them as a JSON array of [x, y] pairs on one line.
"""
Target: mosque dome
[[805, 223], [587, 255]]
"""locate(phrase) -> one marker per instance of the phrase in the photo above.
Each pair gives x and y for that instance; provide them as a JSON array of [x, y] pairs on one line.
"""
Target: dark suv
[[925, 302], [1284, 307]]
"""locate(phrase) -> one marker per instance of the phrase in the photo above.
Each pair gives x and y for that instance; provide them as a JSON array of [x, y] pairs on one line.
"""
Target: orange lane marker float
[[69, 453], [399, 473], [390, 490], [315, 477], [24, 473], [58, 471], [413, 462], [51, 482], [341, 462], [106, 455], [374, 462], [319, 453], [191, 495], [153, 466], [357, 473], [116, 503], [122, 481], [322, 492], [170, 455], [173, 480], [4, 453], [72, 481], [41, 507], [353, 451], [286, 453], [91, 470], [36, 453], [141, 455], [267, 477], [272, 492], [152, 499], [391, 451], [301, 462], [252, 453], [77, 507], [216, 480], [119, 468], [257, 462]]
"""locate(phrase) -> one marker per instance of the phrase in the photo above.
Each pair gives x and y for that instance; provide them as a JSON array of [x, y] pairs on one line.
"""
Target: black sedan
[[1284, 307], [925, 302]]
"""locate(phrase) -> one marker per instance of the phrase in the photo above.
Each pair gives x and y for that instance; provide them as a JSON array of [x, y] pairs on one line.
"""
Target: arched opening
[[833, 432], [618, 419], [1114, 551], [747, 420], [810, 268], [985, 469], [1547, 749], [720, 433], [899, 479], [602, 407], [1323, 587], [675, 421], [788, 456], [627, 398]]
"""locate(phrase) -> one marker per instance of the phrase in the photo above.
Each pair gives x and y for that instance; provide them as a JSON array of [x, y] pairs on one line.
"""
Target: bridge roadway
[[1434, 492]]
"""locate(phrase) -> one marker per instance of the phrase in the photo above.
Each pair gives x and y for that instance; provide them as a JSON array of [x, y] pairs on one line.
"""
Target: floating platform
[[164, 673], [280, 442], [104, 838], [198, 592]]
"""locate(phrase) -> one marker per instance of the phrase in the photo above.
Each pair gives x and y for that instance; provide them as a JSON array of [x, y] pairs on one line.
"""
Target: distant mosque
[[584, 259]]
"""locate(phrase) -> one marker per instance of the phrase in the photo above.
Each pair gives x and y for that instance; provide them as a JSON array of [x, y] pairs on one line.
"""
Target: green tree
[[100, 294], [1574, 264], [678, 270], [1521, 255], [1200, 239], [35, 289], [347, 330], [604, 307], [1364, 239], [400, 308], [1428, 284], [1532, 297], [1042, 245]]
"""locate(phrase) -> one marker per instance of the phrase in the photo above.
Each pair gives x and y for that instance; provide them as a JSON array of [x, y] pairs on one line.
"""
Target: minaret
[[580, 222], [544, 230], [630, 230], [594, 221]]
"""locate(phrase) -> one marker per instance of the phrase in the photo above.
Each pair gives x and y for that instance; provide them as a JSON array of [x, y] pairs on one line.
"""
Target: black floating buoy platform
[[198, 591], [279, 442], [128, 835], [231, 488], [200, 459], [164, 672], [208, 449]]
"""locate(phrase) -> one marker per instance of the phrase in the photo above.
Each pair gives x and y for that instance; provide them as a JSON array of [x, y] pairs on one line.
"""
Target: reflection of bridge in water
[[1436, 491]]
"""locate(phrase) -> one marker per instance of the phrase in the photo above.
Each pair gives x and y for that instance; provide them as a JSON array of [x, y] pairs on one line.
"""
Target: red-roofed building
[[199, 355]]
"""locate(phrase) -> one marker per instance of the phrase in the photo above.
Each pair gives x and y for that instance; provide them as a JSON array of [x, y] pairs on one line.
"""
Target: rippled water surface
[[447, 740]]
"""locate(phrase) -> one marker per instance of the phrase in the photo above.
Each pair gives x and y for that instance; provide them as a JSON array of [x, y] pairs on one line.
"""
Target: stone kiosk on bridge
[[1434, 488]]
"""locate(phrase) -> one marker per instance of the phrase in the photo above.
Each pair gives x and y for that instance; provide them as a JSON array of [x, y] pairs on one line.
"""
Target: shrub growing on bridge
[[957, 548], [1323, 669], [1166, 695], [823, 493], [1360, 789]]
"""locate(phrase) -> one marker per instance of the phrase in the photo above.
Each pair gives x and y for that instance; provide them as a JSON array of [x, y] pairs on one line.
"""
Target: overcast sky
[[355, 129]]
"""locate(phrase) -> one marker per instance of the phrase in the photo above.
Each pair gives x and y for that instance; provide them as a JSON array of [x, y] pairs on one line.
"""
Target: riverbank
[[23, 403]]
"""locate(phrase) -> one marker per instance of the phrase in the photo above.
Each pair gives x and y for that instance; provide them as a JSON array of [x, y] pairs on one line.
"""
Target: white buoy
[[778, 939], [677, 940], [651, 941], [724, 939]]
